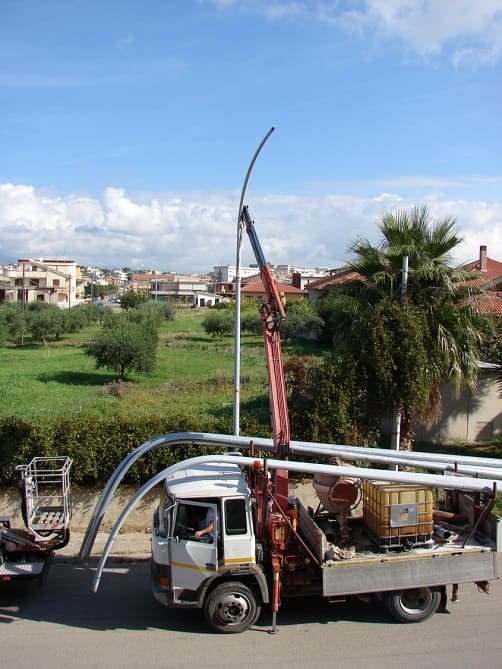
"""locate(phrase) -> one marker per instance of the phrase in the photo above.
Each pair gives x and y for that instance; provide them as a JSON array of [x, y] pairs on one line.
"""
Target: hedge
[[97, 445]]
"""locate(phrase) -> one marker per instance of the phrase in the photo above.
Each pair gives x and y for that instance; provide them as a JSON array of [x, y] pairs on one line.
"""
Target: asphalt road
[[62, 624]]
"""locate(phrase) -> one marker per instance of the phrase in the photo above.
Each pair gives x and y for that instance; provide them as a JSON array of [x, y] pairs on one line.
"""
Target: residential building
[[473, 416], [141, 282], [224, 277], [179, 287], [335, 276], [489, 278], [228, 273], [255, 290], [201, 299], [54, 281]]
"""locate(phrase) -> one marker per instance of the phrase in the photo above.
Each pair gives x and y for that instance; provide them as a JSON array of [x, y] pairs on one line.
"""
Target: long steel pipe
[[406, 456], [459, 464], [398, 458], [428, 480]]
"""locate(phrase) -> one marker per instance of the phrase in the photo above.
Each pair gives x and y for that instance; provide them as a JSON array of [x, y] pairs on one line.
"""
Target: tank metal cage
[[46, 494]]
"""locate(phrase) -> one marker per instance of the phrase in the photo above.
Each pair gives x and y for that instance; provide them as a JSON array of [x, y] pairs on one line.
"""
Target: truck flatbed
[[361, 567]]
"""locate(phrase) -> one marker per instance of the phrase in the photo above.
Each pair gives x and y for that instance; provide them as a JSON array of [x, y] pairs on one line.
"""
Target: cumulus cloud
[[473, 31], [469, 32], [192, 232]]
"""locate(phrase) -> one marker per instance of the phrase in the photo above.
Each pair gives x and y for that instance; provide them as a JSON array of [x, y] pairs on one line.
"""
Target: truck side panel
[[400, 572], [313, 534]]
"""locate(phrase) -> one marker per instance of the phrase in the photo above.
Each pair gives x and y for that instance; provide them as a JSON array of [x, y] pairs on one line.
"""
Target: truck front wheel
[[413, 606], [231, 608]]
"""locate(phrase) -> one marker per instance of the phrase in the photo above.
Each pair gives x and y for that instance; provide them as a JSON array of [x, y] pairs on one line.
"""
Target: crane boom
[[271, 316]]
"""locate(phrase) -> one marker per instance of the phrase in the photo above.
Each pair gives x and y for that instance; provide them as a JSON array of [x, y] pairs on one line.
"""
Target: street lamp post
[[237, 337]]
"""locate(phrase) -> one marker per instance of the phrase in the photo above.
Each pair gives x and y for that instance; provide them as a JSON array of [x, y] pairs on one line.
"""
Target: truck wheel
[[413, 606], [231, 608]]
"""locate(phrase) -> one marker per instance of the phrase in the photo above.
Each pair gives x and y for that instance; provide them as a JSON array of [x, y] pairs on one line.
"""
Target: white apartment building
[[227, 273], [53, 281]]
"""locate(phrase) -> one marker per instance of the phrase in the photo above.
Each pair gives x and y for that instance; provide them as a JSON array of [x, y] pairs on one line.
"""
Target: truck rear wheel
[[413, 606], [231, 608]]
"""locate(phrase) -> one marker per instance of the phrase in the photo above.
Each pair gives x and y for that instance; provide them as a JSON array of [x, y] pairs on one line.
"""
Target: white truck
[[258, 555], [395, 536]]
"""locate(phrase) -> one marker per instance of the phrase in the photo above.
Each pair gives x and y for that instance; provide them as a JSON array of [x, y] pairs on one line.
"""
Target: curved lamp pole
[[237, 337]]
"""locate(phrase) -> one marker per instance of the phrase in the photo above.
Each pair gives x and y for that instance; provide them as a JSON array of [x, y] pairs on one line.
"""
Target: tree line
[[390, 339]]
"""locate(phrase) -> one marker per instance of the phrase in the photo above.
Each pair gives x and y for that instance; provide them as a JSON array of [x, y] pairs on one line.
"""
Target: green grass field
[[193, 375]]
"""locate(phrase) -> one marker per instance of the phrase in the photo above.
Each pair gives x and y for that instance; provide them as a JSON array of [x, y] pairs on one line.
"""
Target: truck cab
[[218, 570]]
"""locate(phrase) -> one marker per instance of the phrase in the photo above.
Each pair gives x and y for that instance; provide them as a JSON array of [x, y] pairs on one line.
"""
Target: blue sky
[[127, 127]]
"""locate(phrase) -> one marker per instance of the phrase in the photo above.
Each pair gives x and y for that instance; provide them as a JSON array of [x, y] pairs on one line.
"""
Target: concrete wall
[[139, 520], [84, 501], [467, 417]]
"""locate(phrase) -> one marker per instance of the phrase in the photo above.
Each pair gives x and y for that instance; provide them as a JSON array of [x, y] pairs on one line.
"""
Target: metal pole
[[23, 306], [237, 334], [23, 293], [396, 426], [404, 277]]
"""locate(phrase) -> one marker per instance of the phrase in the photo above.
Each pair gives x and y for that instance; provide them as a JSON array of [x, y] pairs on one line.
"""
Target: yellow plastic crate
[[397, 514]]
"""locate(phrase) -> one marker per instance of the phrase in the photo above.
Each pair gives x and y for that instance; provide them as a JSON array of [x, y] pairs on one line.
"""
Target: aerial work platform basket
[[46, 495]]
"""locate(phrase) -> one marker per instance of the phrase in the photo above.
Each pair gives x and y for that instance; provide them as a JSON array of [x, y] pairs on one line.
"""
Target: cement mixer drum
[[335, 493]]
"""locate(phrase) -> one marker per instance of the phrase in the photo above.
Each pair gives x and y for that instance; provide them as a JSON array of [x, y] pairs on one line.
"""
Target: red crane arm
[[271, 314]]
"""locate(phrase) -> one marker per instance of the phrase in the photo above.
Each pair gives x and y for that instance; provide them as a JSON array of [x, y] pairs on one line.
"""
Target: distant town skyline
[[127, 128]]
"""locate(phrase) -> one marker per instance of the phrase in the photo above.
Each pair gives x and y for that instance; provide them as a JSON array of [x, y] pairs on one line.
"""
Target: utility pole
[[23, 298], [396, 423]]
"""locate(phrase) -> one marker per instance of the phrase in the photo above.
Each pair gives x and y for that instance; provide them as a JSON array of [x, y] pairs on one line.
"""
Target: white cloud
[[469, 32], [473, 30], [192, 232]]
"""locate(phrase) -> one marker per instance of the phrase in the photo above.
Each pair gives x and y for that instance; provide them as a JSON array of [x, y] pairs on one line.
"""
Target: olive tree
[[124, 345], [218, 322]]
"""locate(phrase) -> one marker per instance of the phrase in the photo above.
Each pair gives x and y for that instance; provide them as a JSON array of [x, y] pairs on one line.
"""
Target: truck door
[[239, 541], [193, 560]]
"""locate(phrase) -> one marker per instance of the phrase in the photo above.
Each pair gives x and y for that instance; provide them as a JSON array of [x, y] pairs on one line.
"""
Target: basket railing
[[46, 494]]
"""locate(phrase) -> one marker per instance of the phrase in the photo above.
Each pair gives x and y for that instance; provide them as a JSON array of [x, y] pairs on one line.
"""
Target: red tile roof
[[489, 277], [493, 271], [340, 276], [257, 287], [490, 303]]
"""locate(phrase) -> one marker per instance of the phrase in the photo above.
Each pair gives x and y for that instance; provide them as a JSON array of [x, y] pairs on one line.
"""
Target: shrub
[[98, 446], [218, 322]]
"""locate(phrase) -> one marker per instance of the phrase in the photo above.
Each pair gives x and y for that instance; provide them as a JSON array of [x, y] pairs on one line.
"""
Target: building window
[[56, 283]]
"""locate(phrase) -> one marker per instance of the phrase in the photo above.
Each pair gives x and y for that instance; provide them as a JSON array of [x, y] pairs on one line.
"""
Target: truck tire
[[412, 606], [231, 608]]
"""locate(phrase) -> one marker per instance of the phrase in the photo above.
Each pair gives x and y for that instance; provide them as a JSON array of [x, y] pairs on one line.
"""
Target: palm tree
[[437, 302]]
